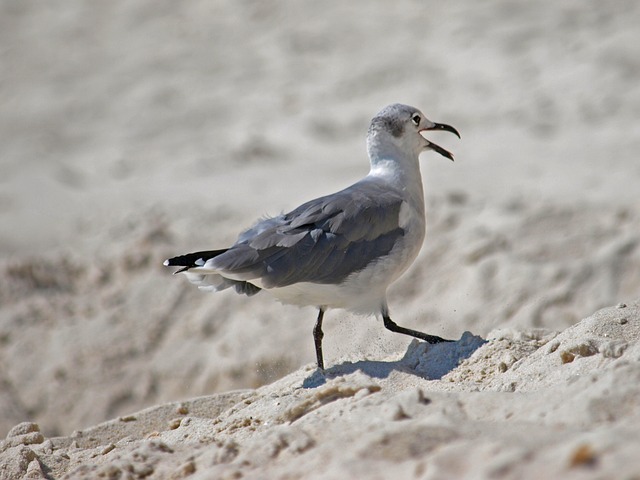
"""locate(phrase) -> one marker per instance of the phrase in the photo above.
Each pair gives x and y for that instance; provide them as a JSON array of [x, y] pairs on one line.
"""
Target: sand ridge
[[487, 415]]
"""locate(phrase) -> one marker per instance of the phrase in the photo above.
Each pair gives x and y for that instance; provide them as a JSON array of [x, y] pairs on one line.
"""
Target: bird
[[343, 250]]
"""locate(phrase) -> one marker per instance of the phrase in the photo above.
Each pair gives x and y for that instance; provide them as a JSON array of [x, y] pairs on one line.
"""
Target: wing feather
[[322, 241]]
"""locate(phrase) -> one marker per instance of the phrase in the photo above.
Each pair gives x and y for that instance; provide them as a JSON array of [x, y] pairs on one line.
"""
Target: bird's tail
[[213, 282]]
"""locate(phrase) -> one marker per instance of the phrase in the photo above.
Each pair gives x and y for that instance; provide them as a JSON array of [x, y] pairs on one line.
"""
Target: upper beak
[[438, 148]]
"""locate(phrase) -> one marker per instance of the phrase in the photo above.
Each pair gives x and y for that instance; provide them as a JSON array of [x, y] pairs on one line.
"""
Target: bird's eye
[[416, 119]]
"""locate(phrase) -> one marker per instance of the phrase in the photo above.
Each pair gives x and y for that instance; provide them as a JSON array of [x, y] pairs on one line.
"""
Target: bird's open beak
[[438, 148]]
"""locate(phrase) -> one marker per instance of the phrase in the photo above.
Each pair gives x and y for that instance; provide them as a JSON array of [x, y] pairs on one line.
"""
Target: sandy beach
[[134, 131]]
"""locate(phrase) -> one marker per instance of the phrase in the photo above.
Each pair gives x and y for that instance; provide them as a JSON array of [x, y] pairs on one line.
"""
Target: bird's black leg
[[317, 338], [391, 325]]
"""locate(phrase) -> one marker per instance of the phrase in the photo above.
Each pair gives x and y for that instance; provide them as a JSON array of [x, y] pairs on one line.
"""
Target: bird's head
[[402, 126]]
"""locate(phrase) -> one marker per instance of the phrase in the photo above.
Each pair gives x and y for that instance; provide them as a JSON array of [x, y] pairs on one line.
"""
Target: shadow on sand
[[428, 361]]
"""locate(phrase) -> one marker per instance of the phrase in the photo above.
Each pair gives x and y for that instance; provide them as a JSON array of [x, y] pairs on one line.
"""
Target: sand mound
[[523, 404]]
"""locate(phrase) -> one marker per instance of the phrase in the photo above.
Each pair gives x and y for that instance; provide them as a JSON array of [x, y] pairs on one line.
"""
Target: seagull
[[340, 251]]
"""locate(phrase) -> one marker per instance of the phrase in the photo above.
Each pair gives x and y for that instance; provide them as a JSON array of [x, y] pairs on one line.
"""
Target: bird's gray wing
[[322, 241]]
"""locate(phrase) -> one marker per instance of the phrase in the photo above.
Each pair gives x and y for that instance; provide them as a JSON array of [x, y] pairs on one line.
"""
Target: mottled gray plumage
[[388, 120]]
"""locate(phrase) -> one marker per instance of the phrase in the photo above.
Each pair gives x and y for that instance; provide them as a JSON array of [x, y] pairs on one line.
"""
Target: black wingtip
[[191, 260], [175, 262]]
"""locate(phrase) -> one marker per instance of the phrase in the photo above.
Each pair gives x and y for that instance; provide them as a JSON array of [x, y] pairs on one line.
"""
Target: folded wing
[[322, 241]]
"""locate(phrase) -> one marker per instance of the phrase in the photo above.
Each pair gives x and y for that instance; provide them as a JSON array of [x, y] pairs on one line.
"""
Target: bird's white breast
[[364, 291]]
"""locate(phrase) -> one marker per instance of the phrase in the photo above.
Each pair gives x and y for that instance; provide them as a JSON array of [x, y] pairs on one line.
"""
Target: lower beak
[[438, 148]]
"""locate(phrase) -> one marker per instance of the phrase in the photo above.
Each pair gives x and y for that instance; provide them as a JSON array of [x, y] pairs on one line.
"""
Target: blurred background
[[135, 130]]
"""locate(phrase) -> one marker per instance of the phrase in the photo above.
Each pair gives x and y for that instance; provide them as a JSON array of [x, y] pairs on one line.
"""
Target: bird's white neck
[[396, 162], [402, 175]]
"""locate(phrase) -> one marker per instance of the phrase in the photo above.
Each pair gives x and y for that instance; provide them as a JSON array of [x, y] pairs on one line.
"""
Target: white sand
[[131, 131]]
